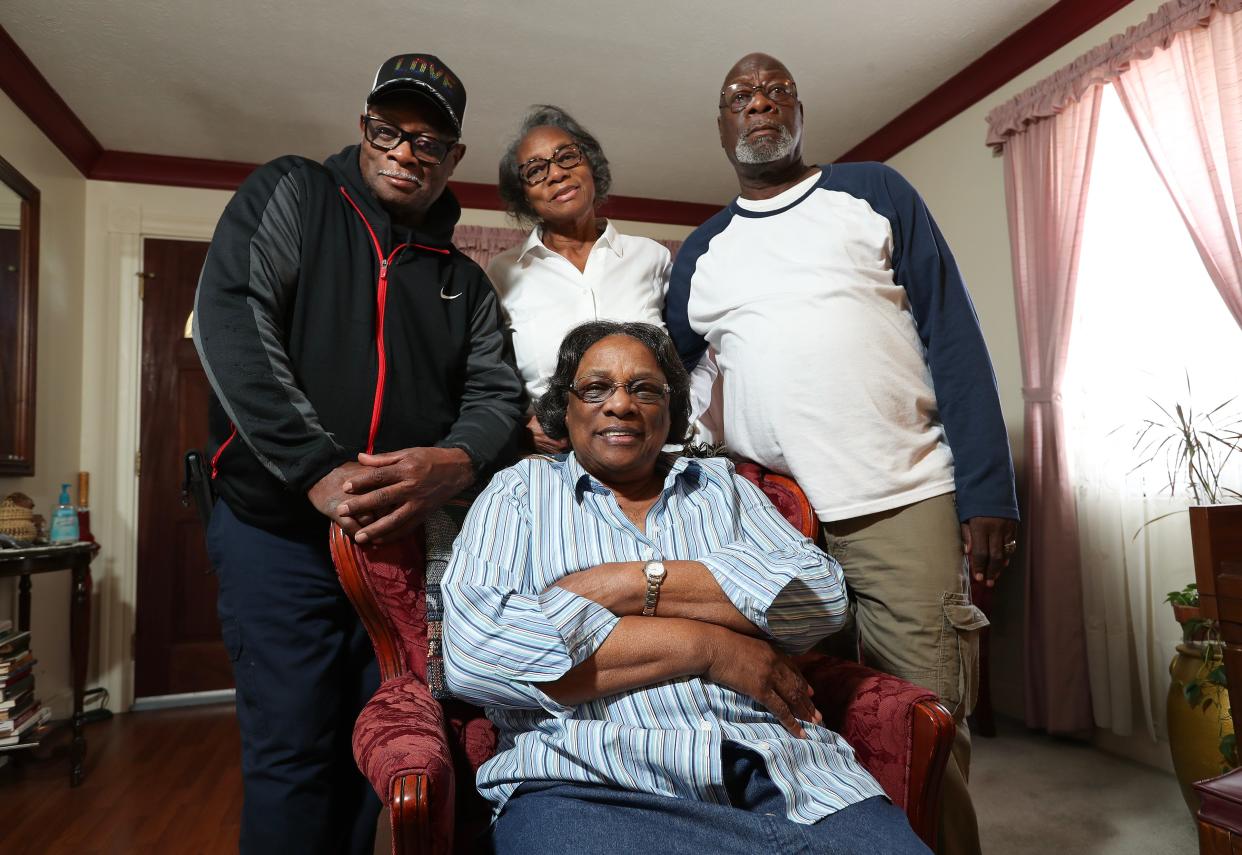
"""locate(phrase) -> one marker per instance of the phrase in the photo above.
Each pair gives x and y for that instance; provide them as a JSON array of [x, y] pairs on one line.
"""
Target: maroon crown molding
[[1050, 31], [139, 168], [31, 92]]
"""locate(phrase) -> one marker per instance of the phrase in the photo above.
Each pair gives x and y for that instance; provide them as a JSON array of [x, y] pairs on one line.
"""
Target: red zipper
[[215, 458], [381, 300]]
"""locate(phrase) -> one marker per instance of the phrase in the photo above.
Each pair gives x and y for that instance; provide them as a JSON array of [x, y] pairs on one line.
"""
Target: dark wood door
[[177, 646]]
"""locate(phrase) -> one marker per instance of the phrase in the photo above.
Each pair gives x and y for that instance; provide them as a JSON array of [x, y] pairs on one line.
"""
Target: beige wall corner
[[58, 411]]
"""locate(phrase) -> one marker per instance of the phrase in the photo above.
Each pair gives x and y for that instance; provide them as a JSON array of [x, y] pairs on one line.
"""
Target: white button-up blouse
[[545, 296]]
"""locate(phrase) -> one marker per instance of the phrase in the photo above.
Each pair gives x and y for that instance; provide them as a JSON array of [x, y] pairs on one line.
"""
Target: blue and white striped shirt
[[508, 628]]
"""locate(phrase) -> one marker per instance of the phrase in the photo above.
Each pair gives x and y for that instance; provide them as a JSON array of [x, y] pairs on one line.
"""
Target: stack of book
[[20, 711]]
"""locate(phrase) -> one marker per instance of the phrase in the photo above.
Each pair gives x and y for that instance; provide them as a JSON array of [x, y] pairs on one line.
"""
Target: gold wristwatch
[[655, 573]]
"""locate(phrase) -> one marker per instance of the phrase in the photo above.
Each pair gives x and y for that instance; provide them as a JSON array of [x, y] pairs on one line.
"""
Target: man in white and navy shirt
[[852, 359]]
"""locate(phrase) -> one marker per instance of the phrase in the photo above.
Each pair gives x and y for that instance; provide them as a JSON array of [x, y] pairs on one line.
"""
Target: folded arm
[[644, 651], [689, 591], [768, 581]]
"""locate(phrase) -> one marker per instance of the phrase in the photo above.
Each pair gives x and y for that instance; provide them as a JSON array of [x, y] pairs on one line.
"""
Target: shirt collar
[[610, 239], [534, 245], [684, 469]]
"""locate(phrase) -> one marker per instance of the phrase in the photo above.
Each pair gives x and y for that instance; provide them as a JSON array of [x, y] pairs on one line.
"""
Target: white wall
[[117, 217], [963, 184], [58, 410]]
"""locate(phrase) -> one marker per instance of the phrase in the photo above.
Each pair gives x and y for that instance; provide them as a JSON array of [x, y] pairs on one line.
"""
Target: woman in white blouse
[[574, 266]]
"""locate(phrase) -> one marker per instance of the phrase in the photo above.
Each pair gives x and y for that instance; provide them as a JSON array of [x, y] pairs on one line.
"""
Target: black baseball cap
[[422, 74]]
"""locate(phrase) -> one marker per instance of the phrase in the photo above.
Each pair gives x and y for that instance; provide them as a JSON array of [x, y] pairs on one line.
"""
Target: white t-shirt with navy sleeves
[[850, 353]]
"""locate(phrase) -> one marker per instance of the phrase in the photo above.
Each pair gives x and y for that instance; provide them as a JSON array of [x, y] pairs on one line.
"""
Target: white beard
[[763, 150]]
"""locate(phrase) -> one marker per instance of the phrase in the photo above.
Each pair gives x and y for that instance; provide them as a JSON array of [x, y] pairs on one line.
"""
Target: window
[[1146, 317], [1146, 314]]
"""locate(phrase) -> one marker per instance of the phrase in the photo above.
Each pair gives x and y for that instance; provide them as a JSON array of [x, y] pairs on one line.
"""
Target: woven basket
[[17, 517]]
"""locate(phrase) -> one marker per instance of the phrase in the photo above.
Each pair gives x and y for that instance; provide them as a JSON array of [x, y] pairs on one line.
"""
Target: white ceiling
[[248, 81]]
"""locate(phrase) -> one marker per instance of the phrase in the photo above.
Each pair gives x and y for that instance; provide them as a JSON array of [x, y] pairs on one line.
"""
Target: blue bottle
[[64, 519]]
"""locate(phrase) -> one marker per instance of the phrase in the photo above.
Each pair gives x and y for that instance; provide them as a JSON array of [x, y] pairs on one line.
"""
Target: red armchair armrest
[[900, 732], [408, 744], [401, 747]]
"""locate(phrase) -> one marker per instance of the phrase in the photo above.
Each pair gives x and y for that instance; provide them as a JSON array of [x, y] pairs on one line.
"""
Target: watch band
[[654, 572]]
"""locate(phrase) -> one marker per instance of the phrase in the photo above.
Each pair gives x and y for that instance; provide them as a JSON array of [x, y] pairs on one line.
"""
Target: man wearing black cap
[[358, 373]]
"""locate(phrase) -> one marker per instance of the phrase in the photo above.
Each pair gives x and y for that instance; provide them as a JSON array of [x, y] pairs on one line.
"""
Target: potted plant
[[1196, 448], [1201, 735], [1186, 612]]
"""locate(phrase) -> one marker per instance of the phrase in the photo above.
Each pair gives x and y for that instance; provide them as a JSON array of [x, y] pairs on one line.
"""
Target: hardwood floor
[[159, 782]]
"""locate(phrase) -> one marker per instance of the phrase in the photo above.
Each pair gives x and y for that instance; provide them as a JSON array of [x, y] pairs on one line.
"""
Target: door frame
[[119, 218]]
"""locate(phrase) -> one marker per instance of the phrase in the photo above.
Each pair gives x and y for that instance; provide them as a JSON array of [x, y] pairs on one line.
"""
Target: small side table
[[76, 558], [1220, 814]]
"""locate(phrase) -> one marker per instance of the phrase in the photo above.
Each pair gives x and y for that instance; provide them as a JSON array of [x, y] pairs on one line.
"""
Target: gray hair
[[513, 190]]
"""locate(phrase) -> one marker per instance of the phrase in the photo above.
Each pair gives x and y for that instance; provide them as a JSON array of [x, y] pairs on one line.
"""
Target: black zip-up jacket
[[304, 272]]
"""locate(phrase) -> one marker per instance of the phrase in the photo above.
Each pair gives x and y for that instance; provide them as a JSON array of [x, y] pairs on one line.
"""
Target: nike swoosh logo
[[444, 296]]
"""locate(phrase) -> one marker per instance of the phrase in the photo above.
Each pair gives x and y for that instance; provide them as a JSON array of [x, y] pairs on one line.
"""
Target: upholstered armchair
[[421, 755]]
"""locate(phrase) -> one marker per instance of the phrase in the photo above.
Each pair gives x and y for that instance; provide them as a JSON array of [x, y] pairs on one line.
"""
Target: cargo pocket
[[249, 710], [959, 653]]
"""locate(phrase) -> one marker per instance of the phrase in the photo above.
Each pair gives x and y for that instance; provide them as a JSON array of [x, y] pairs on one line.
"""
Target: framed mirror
[[19, 301]]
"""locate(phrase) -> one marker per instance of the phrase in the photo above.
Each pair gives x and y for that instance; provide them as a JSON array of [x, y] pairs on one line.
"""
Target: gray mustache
[[402, 175]]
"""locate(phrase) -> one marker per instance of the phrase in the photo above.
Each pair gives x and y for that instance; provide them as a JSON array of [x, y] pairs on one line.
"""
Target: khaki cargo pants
[[913, 619]]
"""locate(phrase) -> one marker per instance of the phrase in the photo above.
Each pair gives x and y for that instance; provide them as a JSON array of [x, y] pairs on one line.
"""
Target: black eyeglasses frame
[[614, 386], [403, 137], [547, 164]]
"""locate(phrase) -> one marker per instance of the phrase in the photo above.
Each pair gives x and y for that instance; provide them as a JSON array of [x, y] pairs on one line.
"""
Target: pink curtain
[[1186, 102], [483, 243], [1103, 64], [671, 245], [1047, 170]]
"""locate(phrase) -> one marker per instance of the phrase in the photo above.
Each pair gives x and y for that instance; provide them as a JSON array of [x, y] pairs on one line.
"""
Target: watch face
[[655, 571]]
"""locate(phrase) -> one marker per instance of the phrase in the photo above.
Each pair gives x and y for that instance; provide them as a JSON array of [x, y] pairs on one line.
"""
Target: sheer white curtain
[[1146, 316]]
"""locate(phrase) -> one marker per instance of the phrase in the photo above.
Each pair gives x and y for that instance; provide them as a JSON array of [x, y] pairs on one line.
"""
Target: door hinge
[[137, 464], [143, 276]]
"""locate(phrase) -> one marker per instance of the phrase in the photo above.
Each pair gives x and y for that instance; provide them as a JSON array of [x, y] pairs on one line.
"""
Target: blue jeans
[[588, 819], [304, 669]]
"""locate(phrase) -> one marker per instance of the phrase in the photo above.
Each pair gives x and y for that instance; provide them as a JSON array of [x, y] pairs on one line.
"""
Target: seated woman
[[626, 618], [574, 266]]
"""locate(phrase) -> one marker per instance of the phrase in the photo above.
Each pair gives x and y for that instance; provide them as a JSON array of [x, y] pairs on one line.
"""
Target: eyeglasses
[[535, 171], [385, 136], [738, 96], [598, 391]]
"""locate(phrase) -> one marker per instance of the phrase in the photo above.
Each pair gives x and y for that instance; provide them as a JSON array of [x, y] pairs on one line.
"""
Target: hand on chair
[[392, 493], [328, 494]]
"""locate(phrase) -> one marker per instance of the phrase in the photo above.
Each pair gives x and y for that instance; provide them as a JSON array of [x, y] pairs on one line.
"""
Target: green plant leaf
[[1217, 677], [1229, 749], [1193, 693]]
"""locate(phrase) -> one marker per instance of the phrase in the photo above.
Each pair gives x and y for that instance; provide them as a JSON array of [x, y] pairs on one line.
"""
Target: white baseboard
[[189, 699]]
